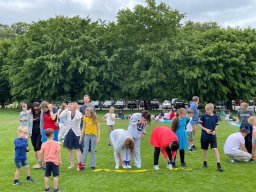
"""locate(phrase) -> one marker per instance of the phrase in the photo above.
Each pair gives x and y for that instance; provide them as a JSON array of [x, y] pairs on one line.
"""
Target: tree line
[[146, 53]]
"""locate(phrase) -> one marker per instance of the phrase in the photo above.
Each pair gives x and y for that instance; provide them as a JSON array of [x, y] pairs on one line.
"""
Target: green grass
[[236, 177]]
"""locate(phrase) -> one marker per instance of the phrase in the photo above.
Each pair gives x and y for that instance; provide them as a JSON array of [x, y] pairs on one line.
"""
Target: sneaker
[[191, 150], [183, 164], [128, 166], [71, 167], [109, 145], [80, 166], [56, 190], [193, 147], [117, 167], [124, 166], [37, 166], [138, 166], [169, 166], [93, 168], [174, 165], [47, 190], [220, 169], [30, 180], [205, 165], [156, 167], [16, 182]]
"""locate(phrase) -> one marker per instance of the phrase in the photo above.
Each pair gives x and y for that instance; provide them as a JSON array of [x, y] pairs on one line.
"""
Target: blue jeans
[[87, 140]]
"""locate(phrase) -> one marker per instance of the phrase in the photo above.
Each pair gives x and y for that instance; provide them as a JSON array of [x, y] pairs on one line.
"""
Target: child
[[137, 129], [61, 121], [195, 119], [110, 119], [24, 115], [21, 149], [252, 121], [123, 145], [209, 123], [178, 127], [90, 133], [51, 158], [164, 140], [189, 130]]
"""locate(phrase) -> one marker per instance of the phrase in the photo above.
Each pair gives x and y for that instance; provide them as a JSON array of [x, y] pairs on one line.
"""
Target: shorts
[[205, 141], [56, 134], [36, 141], [20, 164], [51, 169], [190, 135]]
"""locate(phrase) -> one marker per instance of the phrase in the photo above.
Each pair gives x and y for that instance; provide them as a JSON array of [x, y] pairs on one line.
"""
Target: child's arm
[[53, 116], [208, 131], [60, 156], [82, 134], [98, 133]]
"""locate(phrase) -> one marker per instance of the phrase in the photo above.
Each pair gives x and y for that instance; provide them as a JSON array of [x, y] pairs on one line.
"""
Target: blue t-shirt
[[193, 106], [20, 145], [209, 122]]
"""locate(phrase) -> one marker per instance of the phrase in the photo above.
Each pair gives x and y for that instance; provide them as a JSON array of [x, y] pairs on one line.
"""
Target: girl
[[72, 132], [90, 133], [24, 115], [137, 129], [252, 121], [35, 133], [164, 140], [123, 145], [178, 127], [62, 121], [48, 120], [110, 119]]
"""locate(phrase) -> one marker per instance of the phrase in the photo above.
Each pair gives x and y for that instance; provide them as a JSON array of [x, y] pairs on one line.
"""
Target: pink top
[[254, 133], [161, 137], [50, 151]]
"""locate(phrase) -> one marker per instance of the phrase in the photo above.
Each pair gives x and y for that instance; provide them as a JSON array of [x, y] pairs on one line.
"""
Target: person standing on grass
[[234, 147], [20, 159], [165, 140], [137, 129], [195, 119], [189, 130], [178, 127], [51, 158], [24, 115], [110, 120], [48, 120], [34, 132], [123, 145], [208, 124], [62, 121], [252, 122], [72, 132], [242, 117], [90, 134]]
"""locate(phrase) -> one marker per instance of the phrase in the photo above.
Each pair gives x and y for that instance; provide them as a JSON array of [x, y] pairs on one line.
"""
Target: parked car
[[107, 104], [141, 104], [96, 104], [154, 104], [179, 104], [131, 104], [120, 105], [166, 105]]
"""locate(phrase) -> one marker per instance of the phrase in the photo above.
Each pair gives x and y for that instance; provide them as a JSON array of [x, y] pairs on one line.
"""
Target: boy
[[24, 115], [208, 123], [189, 130], [51, 158], [21, 149], [195, 119]]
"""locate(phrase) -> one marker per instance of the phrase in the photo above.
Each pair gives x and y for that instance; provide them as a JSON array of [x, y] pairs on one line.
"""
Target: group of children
[[80, 127]]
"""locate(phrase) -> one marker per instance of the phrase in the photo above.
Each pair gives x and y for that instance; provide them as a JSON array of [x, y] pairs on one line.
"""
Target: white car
[[166, 105], [107, 104]]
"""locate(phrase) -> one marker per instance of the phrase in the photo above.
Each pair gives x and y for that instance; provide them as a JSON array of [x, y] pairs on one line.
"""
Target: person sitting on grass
[[123, 145], [234, 147], [51, 157], [208, 124], [164, 140], [21, 149]]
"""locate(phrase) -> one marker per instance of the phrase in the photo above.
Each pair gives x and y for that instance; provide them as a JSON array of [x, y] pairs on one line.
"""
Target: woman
[[123, 145], [34, 132], [72, 132], [164, 140], [62, 121]]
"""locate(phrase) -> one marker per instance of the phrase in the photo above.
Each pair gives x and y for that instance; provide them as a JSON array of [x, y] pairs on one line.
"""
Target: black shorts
[[51, 168], [36, 140], [205, 141]]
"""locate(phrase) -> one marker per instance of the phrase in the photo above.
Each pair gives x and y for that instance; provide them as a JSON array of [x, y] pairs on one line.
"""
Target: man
[[234, 147]]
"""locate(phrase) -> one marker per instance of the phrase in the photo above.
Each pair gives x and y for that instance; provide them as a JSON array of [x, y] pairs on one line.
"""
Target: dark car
[[131, 104], [179, 104], [120, 105], [154, 104]]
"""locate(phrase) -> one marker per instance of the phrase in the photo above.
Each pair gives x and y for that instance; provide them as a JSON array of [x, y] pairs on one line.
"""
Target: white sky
[[233, 13]]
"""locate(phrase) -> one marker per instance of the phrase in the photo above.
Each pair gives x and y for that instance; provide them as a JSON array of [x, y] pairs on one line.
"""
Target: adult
[[137, 129], [123, 145], [72, 132], [34, 132], [195, 120], [62, 121], [234, 146], [166, 141], [242, 117]]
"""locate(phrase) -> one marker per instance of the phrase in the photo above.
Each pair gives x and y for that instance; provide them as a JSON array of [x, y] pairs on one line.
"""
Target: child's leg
[[156, 155], [27, 170], [55, 182], [46, 182], [78, 155], [110, 129], [86, 149], [117, 159], [93, 147], [17, 173], [182, 156], [204, 154], [71, 158], [137, 158], [216, 155]]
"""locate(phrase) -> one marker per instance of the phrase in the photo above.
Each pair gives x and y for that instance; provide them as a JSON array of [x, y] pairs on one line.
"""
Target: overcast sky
[[233, 13]]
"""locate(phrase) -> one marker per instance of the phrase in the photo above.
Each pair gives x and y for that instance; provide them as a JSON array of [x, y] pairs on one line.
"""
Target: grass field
[[236, 177]]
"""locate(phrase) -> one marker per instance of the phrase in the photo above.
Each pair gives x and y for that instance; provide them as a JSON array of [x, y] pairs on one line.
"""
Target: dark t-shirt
[[209, 122], [36, 123], [244, 116]]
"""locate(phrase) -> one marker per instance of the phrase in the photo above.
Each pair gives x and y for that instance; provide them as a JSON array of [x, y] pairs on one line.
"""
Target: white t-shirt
[[189, 126], [233, 143], [109, 119]]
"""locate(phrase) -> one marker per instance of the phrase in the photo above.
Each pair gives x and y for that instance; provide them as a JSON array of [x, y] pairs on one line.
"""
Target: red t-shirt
[[172, 115], [49, 123]]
